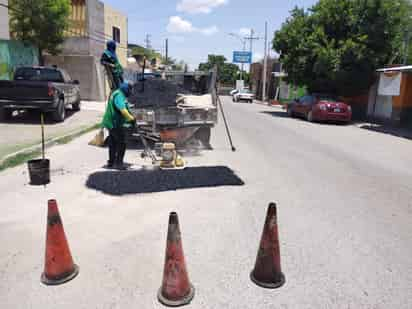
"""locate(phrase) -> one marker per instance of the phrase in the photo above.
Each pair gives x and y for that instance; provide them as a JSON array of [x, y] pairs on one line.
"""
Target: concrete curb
[[269, 105], [48, 144]]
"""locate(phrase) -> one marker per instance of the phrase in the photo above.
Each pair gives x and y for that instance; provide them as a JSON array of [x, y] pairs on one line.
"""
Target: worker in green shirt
[[110, 60], [116, 117]]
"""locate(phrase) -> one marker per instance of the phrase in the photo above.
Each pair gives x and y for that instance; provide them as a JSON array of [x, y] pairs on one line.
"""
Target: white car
[[234, 91], [243, 95]]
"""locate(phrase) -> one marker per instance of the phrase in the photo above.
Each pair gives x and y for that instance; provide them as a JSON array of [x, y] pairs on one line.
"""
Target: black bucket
[[39, 172]]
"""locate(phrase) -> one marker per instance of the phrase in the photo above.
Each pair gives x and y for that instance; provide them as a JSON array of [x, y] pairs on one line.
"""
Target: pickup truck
[[48, 89]]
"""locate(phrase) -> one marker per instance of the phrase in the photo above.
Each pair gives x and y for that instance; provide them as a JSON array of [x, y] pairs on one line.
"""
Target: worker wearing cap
[[110, 60], [116, 117]]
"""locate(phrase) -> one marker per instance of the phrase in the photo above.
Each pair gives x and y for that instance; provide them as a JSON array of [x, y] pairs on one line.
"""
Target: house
[[13, 53], [256, 77], [92, 24], [4, 21], [390, 99]]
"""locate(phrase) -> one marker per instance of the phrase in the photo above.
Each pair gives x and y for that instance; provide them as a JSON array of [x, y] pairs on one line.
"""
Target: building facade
[[4, 22], [115, 28], [91, 26], [256, 78], [390, 98]]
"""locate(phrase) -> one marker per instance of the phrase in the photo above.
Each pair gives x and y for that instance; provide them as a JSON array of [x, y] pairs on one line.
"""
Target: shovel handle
[[42, 134]]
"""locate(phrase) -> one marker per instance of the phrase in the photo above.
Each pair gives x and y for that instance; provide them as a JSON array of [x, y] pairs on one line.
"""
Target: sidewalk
[[24, 131], [266, 103], [403, 132]]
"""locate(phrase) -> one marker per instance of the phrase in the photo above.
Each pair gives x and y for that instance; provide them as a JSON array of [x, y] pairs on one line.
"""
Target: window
[[66, 76], [38, 74], [116, 34]]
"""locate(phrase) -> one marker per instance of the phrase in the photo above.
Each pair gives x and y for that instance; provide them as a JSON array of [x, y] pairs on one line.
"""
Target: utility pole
[[167, 52], [251, 38], [243, 65], [243, 40], [148, 42], [265, 65]]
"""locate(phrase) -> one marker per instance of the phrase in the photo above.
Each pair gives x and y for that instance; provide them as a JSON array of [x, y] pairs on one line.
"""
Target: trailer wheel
[[203, 135]]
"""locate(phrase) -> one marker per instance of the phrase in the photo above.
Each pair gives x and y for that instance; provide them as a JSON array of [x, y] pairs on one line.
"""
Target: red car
[[317, 107]]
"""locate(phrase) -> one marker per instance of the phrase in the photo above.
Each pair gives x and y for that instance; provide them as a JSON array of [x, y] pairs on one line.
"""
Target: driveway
[[24, 130]]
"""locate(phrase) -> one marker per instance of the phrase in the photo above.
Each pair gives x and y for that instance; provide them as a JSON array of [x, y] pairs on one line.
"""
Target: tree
[[245, 76], [40, 22], [137, 50], [227, 72], [337, 45]]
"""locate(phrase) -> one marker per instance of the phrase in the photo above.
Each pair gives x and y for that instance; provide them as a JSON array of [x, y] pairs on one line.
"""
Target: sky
[[196, 28]]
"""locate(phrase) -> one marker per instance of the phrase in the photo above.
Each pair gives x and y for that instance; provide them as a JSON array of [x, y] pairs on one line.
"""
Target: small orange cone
[[267, 272], [176, 289], [58, 267]]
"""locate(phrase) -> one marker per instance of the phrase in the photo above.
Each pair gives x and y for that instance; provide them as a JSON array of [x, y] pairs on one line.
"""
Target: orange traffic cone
[[267, 272], [176, 290], [58, 267]]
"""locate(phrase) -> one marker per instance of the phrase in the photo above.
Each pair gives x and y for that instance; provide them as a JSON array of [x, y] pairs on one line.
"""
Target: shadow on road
[[277, 114], [33, 117], [151, 181], [395, 131]]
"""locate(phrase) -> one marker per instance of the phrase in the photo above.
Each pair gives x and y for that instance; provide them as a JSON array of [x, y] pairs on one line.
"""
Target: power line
[[88, 36]]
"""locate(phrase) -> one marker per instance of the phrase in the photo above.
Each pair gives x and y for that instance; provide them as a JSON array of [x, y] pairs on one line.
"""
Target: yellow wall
[[78, 26], [113, 18]]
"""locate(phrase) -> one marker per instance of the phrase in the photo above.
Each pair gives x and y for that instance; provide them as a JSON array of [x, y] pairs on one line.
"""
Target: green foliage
[[138, 50], [227, 72], [40, 22], [337, 45], [245, 76]]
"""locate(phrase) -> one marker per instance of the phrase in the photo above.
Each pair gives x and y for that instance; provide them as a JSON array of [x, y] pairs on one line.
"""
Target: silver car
[[243, 95]]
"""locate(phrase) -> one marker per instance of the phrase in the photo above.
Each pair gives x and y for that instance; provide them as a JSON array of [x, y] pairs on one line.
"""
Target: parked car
[[48, 89], [234, 91], [319, 107], [243, 95]]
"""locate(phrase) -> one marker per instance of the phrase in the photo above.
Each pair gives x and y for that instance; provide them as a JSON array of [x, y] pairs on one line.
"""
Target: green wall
[[14, 54]]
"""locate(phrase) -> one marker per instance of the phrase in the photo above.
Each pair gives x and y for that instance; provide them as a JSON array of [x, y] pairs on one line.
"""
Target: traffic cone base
[[176, 303], [269, 285], [62, 279]]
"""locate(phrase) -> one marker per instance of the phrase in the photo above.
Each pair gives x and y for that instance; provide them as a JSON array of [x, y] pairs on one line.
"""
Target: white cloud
[[180, 25], [199, 6], [209, 31], [257, 57], [244, 31], [177, 38]]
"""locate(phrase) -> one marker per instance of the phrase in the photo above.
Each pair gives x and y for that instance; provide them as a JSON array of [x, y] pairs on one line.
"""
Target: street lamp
[[244, 49]]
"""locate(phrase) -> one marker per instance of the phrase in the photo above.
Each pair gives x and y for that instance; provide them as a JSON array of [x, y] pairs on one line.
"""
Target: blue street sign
[[242, 57]]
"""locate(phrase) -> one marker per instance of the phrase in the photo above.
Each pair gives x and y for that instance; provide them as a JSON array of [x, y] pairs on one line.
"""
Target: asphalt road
[[344, 199]]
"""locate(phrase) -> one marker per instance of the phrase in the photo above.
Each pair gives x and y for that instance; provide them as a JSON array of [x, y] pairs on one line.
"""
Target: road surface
[[344, 199]]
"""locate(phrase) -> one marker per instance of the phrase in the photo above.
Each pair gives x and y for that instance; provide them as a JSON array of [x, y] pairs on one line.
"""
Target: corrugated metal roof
[[401, 68]]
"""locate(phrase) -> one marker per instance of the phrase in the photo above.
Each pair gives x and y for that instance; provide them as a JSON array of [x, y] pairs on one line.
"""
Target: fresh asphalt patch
[[151, 181]]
